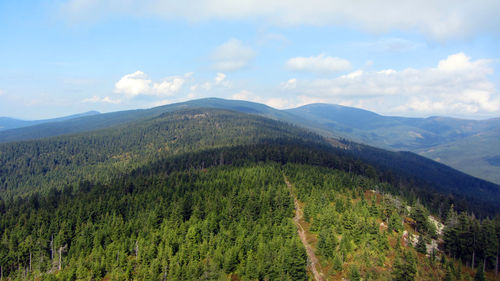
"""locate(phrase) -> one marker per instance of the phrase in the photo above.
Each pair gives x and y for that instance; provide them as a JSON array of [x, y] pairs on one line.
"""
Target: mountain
[[195, 193], [7, 123], [185, 128], [437, 138], [466, 145], [393, 132], [476, 155], [107, 120]]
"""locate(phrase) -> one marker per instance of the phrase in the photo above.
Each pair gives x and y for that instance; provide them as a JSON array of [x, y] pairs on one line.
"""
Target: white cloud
[[133, 84], [441, 19], [232, 55], [206, 86], [168, 87], [219, 81], [96, 99], [1, 92], [246, 95], [318, 64], [219, 78], [457, 85], [303, 100], [138, 83], [279, 103], [290, 84], [160, 103]]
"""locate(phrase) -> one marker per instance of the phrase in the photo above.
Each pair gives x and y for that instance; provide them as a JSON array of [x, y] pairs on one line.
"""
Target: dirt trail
[[312, 259]]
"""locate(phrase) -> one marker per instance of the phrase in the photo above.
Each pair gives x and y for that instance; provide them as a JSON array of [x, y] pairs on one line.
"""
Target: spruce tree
[[421, 246], [479, 275]]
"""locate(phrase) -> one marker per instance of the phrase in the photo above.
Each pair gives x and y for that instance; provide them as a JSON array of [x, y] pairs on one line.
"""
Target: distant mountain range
[[7, 123], [471, 146]]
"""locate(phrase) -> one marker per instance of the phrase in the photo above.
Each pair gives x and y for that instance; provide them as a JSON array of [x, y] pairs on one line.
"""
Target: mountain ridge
[[7, 123], [118, 149], [430, 137]]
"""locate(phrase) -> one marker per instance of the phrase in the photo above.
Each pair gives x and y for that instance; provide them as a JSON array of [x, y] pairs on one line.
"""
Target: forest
[[202, 195]]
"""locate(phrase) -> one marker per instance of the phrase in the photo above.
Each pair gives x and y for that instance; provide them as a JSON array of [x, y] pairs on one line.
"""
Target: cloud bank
[[439, 20], [457, 85]]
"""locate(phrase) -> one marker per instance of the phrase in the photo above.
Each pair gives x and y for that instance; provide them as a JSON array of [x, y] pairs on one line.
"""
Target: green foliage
[[337, 263], [187, 225], [199, 195], [405, 268], [420, 215], [354, 274], [466, 238], [421, 245], [449, 275], [327, 243], [395, 223], [479, 276]]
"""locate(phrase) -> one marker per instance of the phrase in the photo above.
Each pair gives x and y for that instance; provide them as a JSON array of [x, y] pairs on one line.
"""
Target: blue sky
[[408, 58]]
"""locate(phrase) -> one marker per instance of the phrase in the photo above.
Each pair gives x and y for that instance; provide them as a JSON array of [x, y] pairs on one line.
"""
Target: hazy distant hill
[[467, 145], [7, 123], [105, 120]]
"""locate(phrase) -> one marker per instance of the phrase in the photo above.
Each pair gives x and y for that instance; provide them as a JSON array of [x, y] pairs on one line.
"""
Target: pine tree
[[479, 275], [405, 269], [449, 275], [337, 263], [421, 245], [354, 274]]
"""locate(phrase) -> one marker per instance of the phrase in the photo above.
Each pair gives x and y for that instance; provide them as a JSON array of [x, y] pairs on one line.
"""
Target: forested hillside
[[467, 145], [228, 222], [463, 144], [103, 154], [55, 162], [202, 194]]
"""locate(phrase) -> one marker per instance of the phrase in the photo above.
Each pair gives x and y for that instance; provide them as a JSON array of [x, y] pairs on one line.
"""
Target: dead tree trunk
[[60, 258], [61, 250], [165, 273], [136, 249]]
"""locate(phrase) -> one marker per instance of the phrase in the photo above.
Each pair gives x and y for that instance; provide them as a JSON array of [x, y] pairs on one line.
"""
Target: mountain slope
[[101, 155], [463, 144], [106, 120], [127, 146], [394, 132], [201, 194], [475, 155], [436, 137]]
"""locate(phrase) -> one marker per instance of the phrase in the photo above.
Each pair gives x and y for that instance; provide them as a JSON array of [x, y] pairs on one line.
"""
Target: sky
[[394, 57]]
